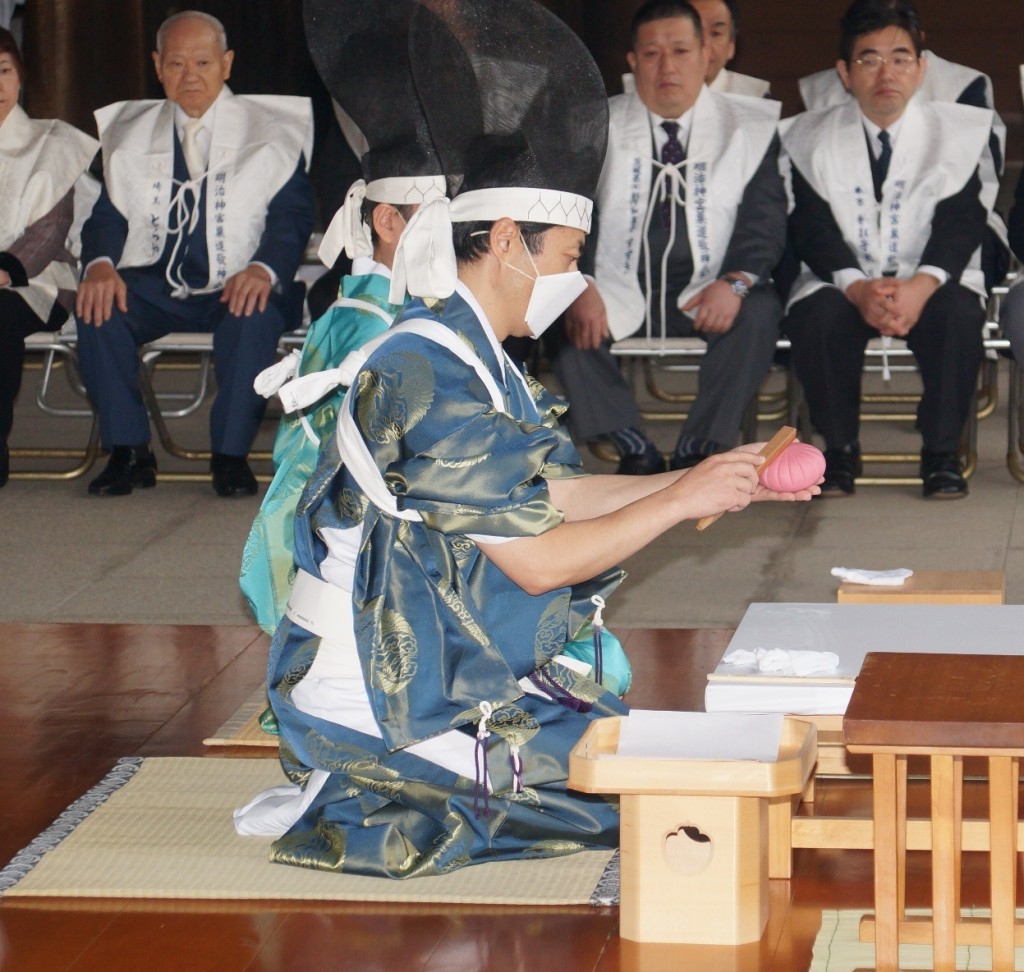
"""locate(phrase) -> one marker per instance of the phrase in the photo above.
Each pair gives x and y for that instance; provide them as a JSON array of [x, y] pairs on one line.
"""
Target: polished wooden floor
[[77, 697]]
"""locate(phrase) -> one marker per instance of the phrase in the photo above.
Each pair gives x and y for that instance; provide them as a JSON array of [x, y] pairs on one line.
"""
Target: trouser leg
[[1011, 320], [733, 368], [600, 399], [828, 339], [242, 348], [17, 322], [947, 342]]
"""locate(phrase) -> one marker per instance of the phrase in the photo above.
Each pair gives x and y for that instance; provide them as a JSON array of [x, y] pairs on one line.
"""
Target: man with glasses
[[890, 243]]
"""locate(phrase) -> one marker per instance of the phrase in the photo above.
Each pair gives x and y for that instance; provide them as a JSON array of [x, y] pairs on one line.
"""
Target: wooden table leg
[[946, 827], [901, 837], [887, 865], [1003, 775]]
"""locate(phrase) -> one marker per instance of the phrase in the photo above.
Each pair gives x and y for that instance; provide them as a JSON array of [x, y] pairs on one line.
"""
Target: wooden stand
[[931, 587], [945, 707], [694, 834]]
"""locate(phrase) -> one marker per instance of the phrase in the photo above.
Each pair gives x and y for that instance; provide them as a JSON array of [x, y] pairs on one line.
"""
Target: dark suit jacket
[[958, 227], [288, 224]]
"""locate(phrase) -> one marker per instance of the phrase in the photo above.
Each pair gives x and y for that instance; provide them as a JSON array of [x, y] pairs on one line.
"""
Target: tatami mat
[[243, 728], [163, 829], [837, 948]]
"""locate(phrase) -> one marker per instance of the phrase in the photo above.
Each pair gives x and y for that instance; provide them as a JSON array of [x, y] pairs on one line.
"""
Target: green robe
[[267, 560]]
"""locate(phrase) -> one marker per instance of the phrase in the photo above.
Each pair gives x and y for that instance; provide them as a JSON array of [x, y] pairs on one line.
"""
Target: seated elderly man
[[721, 22], [890, 242], [691, 221], [201, 225]]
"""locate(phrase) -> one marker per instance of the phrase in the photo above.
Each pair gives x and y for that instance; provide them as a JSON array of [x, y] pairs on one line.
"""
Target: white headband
[[350, 232], [424, 264]]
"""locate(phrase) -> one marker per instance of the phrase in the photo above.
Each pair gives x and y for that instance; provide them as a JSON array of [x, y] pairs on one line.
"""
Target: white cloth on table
[[780, 661], [877, 578]]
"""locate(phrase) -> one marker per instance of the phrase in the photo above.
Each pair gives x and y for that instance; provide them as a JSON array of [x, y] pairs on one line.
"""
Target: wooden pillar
[[79, 60]]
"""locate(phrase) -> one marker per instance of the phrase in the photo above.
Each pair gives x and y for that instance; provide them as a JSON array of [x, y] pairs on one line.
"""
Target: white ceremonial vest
[[40, 160], [939, 147], [729, 137], [730, 82], [255, 149]]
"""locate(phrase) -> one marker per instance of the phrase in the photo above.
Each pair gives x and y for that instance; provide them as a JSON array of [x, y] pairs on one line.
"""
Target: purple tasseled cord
[[598, 602], [480, 758], [546, 684]]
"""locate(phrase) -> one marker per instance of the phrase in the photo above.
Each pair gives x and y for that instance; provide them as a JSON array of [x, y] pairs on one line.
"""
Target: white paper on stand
[[648, 734], [850, 631]]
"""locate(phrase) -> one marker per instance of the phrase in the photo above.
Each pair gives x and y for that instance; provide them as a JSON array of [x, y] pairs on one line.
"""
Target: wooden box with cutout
[[694, 834]]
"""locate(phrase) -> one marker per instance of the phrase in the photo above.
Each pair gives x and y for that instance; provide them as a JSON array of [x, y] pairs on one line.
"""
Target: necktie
[[191, 150], [884, 158], [671, 154]]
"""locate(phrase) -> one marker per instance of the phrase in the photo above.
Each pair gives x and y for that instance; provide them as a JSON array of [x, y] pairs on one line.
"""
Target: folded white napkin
[[878, 578], [779, 661]]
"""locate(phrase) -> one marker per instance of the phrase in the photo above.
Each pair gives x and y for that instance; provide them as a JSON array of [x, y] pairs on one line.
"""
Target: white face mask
[[552, 293]]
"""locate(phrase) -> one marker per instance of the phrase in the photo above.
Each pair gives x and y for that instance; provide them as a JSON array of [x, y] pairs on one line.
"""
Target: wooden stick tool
[[771, 451]]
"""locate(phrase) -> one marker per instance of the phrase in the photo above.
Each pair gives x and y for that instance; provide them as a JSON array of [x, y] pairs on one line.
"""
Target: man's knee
[[955, 308], [761, 313]]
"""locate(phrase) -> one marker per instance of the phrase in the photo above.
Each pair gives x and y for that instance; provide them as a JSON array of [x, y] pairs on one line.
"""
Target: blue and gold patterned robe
[[440, 629]]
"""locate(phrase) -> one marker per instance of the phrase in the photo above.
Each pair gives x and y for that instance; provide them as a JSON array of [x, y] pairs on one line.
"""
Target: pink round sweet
[[797, 467]]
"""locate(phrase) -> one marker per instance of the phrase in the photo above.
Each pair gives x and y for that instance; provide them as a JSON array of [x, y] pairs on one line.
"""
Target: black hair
[[472, 240], [734, 15], [866, 16], [663, 10], [8, 45]]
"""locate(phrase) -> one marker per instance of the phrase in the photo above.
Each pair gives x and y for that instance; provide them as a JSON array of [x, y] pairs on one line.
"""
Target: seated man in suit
[[721, 22], [690, 223], [890, 243], [201, 225]]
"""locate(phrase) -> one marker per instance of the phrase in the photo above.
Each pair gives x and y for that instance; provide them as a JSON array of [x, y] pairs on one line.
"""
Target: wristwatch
[[736, 284]]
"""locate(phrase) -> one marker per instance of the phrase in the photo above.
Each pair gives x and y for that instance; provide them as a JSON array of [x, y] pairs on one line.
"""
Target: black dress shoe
[[232, 475], [5, 466], [942, 475], [647, 463], [842, 467], [127, 467]]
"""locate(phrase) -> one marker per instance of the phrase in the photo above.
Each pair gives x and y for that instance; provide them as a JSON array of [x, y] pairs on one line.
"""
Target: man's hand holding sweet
[[100, 288], [247, 290]]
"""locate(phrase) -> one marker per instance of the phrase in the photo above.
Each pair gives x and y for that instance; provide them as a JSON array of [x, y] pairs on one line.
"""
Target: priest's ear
[[389, 221], [504, 236]]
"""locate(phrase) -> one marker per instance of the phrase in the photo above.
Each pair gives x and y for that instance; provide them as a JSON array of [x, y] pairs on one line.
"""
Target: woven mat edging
[[27, 858], [606, 894]]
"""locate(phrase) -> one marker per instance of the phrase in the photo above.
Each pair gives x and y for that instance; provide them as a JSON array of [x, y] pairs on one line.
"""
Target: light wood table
[[931, 587], [945, 707], [694, 839]]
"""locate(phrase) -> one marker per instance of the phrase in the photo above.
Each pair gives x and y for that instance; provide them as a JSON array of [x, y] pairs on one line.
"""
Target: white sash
[[731, 82], [40, 160], [351, 445], [729, 137], [939, 148], [256, 144]]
